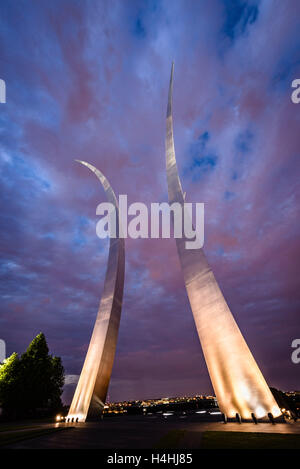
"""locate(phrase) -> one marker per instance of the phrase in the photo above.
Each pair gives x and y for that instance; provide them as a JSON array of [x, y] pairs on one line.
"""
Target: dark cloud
[[239, 15]]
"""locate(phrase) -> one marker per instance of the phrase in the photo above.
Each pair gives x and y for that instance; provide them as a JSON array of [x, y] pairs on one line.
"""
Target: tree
[[9, 384], [32, 384]]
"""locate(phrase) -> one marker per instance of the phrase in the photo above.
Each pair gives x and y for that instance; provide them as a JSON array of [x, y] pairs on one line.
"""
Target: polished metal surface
[[237, 381], [91, 390]]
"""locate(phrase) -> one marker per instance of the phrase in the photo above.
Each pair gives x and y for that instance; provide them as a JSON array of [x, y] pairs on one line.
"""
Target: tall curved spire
[[238, 383], [174, 184], [91, 390]]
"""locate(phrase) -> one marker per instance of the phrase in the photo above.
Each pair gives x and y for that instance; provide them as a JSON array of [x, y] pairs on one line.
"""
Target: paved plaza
[[137, 432]]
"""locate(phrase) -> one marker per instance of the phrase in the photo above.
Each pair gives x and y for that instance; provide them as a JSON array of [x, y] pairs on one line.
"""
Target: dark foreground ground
[[152, 431]]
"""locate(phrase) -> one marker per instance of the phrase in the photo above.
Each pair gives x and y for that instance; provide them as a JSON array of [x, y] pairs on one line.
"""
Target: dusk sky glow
[[88, 80]]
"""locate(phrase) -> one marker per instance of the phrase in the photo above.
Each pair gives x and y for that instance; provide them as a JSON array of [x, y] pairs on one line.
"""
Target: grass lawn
[[249, 440], [10, 428], [170, 440], [14, 437]]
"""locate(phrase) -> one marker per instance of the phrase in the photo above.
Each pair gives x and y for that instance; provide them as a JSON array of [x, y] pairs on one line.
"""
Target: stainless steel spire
[[91, 390], [238, 383]]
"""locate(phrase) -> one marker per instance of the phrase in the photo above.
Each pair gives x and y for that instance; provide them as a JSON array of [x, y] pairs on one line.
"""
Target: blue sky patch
[[238, 15]]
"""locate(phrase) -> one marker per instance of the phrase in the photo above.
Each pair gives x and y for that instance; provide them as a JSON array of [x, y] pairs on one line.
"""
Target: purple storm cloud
[[88, 80]]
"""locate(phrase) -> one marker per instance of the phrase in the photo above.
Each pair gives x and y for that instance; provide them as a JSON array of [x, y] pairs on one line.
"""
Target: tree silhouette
[[32, 384]]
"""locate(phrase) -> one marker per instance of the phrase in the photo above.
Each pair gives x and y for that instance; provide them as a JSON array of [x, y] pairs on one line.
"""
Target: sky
[[89, 80]]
